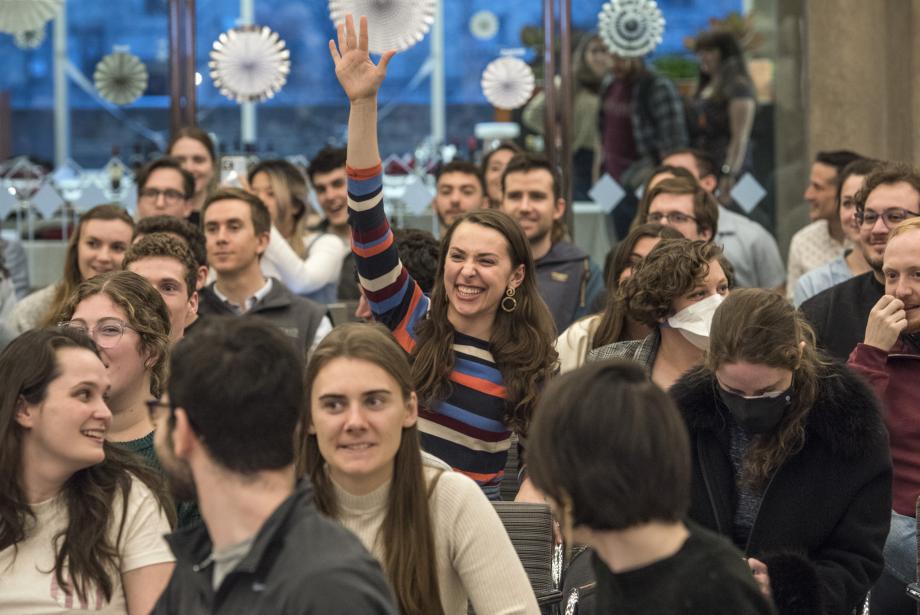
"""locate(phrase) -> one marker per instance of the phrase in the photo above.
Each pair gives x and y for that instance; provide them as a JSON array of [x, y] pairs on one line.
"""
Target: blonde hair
[[290, 189], [911, 224]]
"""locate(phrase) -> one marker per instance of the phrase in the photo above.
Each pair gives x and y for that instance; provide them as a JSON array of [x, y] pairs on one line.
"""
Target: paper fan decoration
[[29, 39], [394, 25], [249, 63], [120, 78], [25, 15], [508, 83], [631, 28], [484, 25]]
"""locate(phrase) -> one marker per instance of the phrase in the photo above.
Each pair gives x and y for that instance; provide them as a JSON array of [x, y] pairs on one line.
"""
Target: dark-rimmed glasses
[[890, 217]]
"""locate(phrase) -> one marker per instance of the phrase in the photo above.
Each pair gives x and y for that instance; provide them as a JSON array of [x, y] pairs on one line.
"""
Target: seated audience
[[309, 264], [169, 266], [460, 189], [791, 457], [225, 435], [493, 166], [164, 188], [185, 231], [97, 245], [673, 291], [437, 537], [679, 202], [612, 324], [852, 262], [82, 521], [890, 195], [237, 228], [604, 443], [823, 240], [889, 358], [194, 149], [567, 278], [482, 344]]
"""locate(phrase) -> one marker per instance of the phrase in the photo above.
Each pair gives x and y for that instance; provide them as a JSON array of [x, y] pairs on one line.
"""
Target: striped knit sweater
[[466, 429]]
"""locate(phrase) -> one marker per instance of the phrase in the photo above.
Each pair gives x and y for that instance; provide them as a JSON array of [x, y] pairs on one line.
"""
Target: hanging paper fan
[[508, 83], [29, 39], [631, 28], [120, 78], [484, 25], [249, 63], [394, 25], [25, 15]]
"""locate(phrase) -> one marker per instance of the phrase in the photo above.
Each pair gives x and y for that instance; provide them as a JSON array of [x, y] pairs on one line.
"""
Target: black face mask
[[756, 415]]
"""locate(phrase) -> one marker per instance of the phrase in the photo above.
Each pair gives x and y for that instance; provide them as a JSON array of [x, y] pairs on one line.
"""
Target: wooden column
[[181, 63]]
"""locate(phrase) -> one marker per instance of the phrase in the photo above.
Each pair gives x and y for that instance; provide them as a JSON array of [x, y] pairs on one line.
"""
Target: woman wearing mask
[[612, 325], [482, 344], [435, 534], [308, 264], [81, 522], [194, 148], [791, 457], [98, 245], [674, 291]]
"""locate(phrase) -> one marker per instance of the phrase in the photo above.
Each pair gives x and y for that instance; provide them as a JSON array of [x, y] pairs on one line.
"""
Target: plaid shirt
[[641, 351]]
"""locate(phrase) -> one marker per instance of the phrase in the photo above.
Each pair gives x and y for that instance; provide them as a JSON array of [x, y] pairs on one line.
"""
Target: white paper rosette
[[120, 78], [631, 28], [29, 39], [394, 25], [249, 63], [508, 83], [25, 15], [484, 25]]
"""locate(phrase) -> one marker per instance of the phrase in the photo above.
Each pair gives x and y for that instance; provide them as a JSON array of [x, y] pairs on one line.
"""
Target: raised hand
[[887, 320], [358, 75]]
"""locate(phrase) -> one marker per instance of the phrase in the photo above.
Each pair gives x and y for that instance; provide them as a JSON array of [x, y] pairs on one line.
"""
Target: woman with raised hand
[[435, 534], [81, 521], [307, 263], [791, 458], [482, 345]]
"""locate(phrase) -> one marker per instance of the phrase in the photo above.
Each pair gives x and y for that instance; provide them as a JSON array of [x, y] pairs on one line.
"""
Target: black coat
[[824, 516]]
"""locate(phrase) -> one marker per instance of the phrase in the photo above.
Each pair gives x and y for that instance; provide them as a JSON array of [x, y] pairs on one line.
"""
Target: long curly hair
[[83, 548], [760, 327], [522, 342], [406, 535], [143, 307]]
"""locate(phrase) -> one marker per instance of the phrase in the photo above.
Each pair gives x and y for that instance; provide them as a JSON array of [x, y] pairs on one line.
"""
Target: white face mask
[[694, 321]]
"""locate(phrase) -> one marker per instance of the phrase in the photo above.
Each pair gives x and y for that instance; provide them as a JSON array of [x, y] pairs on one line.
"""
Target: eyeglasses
[[169, 195], [890, 217], [154, 406], [673, 217], [107, 332]]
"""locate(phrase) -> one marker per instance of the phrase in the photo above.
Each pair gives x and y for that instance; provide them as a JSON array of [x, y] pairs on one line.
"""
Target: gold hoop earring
[[509, 303]]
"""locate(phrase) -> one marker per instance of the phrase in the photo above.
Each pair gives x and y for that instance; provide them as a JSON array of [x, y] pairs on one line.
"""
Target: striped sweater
[[466, 429]]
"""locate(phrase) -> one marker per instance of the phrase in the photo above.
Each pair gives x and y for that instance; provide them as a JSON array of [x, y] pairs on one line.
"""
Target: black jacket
[[300, 563], [824, 515], [839, 314], [297, 317], [568, 282]]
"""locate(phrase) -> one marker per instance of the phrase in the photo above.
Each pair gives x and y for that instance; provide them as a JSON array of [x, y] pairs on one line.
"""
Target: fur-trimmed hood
[[845, 417]]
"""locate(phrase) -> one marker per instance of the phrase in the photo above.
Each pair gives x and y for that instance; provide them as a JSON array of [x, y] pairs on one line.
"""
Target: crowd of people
[[185, 427]]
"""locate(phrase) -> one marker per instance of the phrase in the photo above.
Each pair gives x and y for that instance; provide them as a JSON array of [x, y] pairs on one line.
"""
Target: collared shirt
[[249, 303], [822, 278], [751, 250], [810, 248]]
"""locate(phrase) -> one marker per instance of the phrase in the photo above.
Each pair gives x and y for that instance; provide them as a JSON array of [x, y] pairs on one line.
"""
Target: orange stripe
[[482, 478], [372, 251], [496, 390], [364, 173]]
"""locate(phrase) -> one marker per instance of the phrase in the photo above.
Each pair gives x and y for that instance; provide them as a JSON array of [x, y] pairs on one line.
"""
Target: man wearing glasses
[[681, 203], [890, 195], [164, 188]]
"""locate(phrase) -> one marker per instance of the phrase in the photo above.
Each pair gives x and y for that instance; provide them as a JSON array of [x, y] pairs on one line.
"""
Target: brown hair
[[290, 190], [605, 440], [407, 535], [167, 162], [143, 307], [167, 246], [671, 269], [526, 163], [705, 207], [886, 174], [613, 319], [759, 326], [261, 219], [522, 342], [83, 548], [193, 132], [583, 75], [72, 277]]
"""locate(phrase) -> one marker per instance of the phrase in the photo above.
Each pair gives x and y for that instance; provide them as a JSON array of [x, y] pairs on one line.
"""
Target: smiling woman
[[80, 521]]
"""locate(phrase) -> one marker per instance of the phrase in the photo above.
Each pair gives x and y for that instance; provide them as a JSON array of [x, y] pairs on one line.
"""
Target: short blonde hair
[[906, 226]]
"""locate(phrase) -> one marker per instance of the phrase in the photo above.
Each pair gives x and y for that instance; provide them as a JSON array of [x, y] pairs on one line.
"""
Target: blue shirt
[[821, 278]]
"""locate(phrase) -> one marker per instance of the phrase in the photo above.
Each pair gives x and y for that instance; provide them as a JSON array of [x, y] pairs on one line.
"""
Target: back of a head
[[610, 443], [240, 382], [418, 252], [327, 160]]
